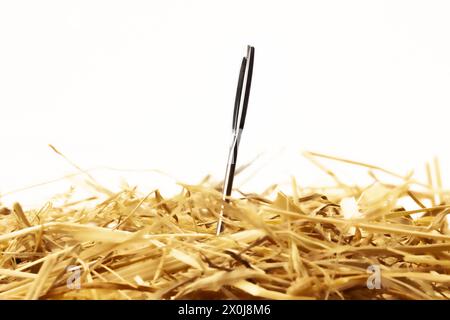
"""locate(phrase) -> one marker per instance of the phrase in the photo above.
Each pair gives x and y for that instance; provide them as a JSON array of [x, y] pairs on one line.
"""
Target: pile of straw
[[352, 243]]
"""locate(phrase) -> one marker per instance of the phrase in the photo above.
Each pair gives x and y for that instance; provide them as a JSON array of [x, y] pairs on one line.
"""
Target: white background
[[151, 84]]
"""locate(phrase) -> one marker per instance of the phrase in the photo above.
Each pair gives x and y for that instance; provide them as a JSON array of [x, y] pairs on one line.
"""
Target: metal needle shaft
[[239, 114]]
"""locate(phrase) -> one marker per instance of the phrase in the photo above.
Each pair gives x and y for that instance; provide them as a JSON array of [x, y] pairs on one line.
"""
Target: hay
[[346, 242]]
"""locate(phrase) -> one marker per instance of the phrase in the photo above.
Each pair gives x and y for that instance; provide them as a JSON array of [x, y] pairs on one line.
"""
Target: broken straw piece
[[350, 208]]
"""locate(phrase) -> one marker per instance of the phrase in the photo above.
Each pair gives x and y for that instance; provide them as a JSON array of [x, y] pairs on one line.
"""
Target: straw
[[344, 242]]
